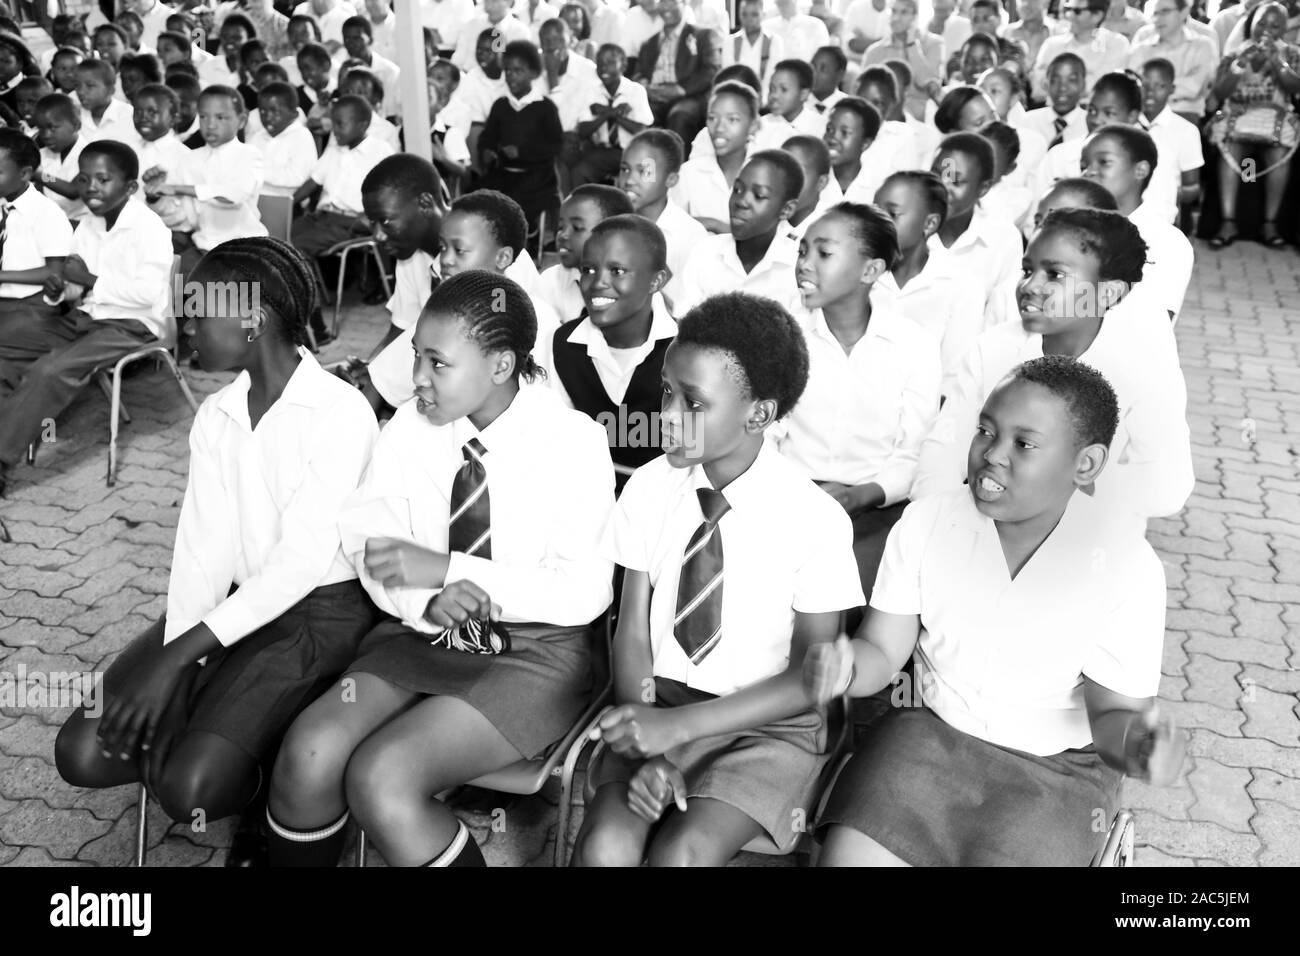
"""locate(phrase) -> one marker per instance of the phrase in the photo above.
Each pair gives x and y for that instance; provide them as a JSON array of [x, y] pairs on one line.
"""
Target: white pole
[[409, 40]]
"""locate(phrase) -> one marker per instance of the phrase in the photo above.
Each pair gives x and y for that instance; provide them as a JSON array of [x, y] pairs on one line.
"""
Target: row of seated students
[[446, 567]]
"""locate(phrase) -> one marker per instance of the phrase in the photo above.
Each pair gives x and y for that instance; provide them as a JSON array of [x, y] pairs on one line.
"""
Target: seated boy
[[102, 116], [610, 121], [788, 111], [37, 236], [119, 266], [1036, 733], [58, 130], [288, 149]]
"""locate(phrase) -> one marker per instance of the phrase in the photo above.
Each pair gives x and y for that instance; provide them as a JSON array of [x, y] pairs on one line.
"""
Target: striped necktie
[[698, 624], [611, 124], [1059, 125], [470, 525], [4, 226]]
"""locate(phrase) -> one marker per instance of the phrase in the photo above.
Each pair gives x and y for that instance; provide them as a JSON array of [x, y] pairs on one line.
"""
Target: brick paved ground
[[84, 567]]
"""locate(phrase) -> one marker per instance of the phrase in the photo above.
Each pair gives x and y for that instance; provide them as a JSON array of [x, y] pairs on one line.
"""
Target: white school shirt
[[155, 22], [215, 72], [262, 505], [615, 367], [982, 661], [702, 189], [774, 129], [331, 23], [737, 49], [118, 123], [924, 135], [863, 15], [391, 370], [1178, 141], [936, 299], [825, 106], [801, 35], [132, 263], [340, 172], [232, 171], [382, 34], [714, 268], [1105, 51], [534, 18], [508, 30], [607, 25], [287, 158], [864, 413], [1043, 122], [1168, 268], [828, 197], [629, 92], [787, 548], [448, 17], [473, 100], [707, 15], [682, 234], [988, 252], [386, 72], [1033, 150], [167, 153], [551, 488], [1010, 201], [35, 230], [638, 26], [66, 168], [575, 91], [885, 156], [1149, 473], [558, 288]]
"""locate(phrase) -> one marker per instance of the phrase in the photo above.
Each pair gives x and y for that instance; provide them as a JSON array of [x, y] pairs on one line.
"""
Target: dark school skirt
[[532, 693], [770, 773], [249, 693], [934, 796]]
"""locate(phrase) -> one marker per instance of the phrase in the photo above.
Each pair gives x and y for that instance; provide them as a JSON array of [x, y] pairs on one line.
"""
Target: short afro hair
[[1109, 236], [525, 51], [928, 186], [60, 105], [789, 168], [163, 94], [404, 173], [741, 92], [799, 69], [1006, 144], [759, 338], [667, 143], [1088, 398], [504, 217], [645, 233], [947, 117], [864, 111], [739, 73], [1126, 86], [1160, 66], [976, 147], [1136, 143], [1092, 194], [882, 77], [816, 149], [119, 155], [21, 149], [609, 200]]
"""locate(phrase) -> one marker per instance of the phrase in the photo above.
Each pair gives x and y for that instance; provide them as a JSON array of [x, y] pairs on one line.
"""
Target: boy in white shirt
[[820, 190], [581, 211], [119, 266], [788, 113], [619, 110], [357, 40], [1178, 141], [800, 33], [102, 116], [830, 66], [753, 45], [1038, 733], [224, 178], [497, 18], [288, 149], [58, 130], [156, 144], [357, 81]]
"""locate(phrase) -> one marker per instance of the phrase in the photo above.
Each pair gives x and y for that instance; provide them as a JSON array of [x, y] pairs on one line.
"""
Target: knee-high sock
[[318, 847], [461, 851]]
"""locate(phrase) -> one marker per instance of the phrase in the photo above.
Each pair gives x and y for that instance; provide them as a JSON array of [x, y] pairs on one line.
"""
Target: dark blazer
[[693, 75]]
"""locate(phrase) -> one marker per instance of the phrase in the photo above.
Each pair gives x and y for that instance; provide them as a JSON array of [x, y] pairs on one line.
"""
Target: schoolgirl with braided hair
[[477, 531], [264, 611]]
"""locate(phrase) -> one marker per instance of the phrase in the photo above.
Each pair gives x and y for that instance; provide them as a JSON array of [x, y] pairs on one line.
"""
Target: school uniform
[[778, 561], [1010, 201], [192, 137], [801, 34], [448, 17], [1178, 146], [118, 122], [287, 158], [414, 280], [386, 72], [603, 150], [682, 233], [882, 159], [1003, 725], [924, 135], [574, 90], [1103, 52], [541, 562], [702, 189], [558, 288], [232, 171], [217, 72], [774, 130], [864, 413], [937, 300], [35, 229], [340, 172], [122, 312], [989, 252], [761, 55], [532, 126], [508, 30], [828, 197], [167, 153], [1149, 473], [824, 107], [385, 131], [1055, 127], [619, 388], [257, 555], [473, 99], [714, 268], [1168, 269], [66, 168]]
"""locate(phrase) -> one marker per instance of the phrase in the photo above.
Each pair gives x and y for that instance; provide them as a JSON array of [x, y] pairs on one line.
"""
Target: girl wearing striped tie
[[477, 531], [714, 742]]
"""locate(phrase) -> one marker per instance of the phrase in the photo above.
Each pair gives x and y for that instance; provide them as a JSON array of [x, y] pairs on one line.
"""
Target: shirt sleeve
[[827, 579], [1130, 635], [625, 542], [54, 233], [941, 458], [135, 281], [239, 183], [203, 560], [573, 583], [920, 403], [898, 582], [344, 438]]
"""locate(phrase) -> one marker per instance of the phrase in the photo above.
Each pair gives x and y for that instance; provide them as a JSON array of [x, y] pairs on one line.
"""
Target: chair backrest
[[277, 215]]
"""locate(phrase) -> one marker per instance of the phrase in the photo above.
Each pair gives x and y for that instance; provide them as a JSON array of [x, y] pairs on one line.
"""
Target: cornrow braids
[[285, 281], [496, 313]]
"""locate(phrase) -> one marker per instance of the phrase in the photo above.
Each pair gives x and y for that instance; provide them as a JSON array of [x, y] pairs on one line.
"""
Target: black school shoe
[[249, 848]]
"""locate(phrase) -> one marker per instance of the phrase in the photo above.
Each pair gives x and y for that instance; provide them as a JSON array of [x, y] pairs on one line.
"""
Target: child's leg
[[393, 777], [846, 846], [611, 834], [307, 782], [29, 329], [54, 380], [709, 833]]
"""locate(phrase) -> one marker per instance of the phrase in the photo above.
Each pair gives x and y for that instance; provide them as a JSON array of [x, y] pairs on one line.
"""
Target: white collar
[[532, 96], [662, 326]]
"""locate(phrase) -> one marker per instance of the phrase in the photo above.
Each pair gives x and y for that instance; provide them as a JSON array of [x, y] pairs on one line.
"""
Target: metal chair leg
[[141, 825], [361, 848], [338, 297], [114, 410]]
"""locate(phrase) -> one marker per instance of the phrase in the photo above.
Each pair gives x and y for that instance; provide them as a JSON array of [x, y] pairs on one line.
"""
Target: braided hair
[[496, 314], [282, 276]]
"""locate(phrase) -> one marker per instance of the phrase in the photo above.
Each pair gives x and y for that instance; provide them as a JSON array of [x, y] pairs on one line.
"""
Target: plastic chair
[[1118, 849], [527, 777], [277, 215]]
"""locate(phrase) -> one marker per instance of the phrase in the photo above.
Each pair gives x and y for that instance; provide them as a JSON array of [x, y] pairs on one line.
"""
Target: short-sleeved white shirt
[[36, 229]]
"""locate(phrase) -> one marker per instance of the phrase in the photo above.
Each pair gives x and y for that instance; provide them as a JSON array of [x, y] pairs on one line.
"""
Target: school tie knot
[[1058, 125], [820, 107], [713, 504], [473, 450]]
